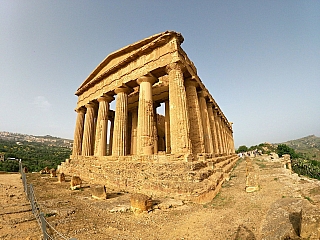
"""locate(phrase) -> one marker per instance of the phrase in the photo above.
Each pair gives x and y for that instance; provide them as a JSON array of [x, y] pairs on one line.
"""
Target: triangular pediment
[[125, 55]]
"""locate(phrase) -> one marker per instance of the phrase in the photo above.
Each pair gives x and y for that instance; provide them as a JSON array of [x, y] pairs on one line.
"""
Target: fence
[[43, 223]]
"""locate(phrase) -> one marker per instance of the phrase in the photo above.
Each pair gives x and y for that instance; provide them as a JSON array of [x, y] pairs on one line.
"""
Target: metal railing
[[39, 216]]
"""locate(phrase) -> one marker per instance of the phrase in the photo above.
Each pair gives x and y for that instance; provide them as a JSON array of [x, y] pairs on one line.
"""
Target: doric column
[[167, 127], [120, 122], [218, 130], [205, 123], [78, 131], [145, 129], [102, 126], [222, 135], [196, 128], [213, 128], [134, 135], [155, 127], [232, 140], [88, 141], [111, 136], [179, 117]]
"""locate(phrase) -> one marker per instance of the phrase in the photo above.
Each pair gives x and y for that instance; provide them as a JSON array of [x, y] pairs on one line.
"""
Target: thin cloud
[[42, 103]]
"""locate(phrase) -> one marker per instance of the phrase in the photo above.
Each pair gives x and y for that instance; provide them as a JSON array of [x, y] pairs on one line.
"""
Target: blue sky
[[260, 60]]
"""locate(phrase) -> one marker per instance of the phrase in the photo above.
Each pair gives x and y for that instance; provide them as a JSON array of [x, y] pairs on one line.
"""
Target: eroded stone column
[[223, 146], [78, 132], [134, 135], [102, 126], [111, 136], [213, 128], [155, 128], [167, 127], [146, 116], [205, 123], [179, 118], [218, 129], [88, 141], [196, 129], [120, 122]]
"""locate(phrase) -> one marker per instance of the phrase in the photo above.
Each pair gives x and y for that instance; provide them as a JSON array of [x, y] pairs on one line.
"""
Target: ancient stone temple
[[186, 152]]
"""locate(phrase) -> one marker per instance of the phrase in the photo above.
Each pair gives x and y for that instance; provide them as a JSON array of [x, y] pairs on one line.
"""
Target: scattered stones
[[170, 203], [121, 208]]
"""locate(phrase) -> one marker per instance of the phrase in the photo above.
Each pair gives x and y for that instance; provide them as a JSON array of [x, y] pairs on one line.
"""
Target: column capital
[[91, 105], [81, 110], [175, 66], [105, 98], [124, 89], [210, 104], [191, 82], [202, 93], [147, 78]]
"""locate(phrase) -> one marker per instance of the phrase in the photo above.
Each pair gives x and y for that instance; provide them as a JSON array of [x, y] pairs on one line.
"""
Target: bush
[[242, 148]]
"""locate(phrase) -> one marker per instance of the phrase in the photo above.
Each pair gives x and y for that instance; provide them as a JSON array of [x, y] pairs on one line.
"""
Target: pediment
[[116, 60]]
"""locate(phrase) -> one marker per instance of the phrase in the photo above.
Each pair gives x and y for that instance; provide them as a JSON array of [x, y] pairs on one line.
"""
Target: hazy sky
[[260, 60]]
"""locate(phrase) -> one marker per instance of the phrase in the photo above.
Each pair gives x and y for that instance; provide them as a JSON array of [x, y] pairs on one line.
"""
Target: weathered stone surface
[[98, 192], [140, 202], [310, 222], [61, 177], [53, 172], [252, 173], [141, 77], [75, 182]]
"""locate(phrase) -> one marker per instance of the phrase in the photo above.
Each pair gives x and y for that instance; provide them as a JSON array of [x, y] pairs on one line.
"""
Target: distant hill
[[46, 140], [309, 146]]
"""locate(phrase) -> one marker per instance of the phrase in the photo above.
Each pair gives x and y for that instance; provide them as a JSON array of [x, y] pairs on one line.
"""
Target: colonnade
[[193, 124]]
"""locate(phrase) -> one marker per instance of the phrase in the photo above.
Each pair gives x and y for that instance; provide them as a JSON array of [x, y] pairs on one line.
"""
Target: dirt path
[[233, 214], [16, 218]]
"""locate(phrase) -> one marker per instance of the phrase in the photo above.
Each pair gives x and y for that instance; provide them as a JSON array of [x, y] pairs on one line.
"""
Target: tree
[[284, 149], [242, 148]]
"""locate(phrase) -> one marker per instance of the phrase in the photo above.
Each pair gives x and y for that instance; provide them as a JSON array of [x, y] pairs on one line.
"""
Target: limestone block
[[283, 220], [53, 172], [140, 202], [75, 182], [98, 192], [310, 223], [61, 177]]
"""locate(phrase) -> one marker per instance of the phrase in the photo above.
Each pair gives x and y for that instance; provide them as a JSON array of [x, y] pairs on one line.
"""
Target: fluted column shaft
[[179, 119], [145, 129], [222, 135], [78, 132], [167, 127], [88, 136], [111, 136], [196, 129], [155, 129], [134, 130], [120, 123], [218, 130], [102, 126], [213, 128], [205, 123]]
